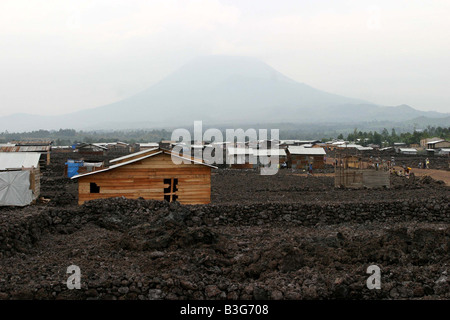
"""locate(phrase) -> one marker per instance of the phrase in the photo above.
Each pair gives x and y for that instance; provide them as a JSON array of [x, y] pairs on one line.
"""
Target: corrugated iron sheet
[[25, 149], [306, 151], [33, 142]]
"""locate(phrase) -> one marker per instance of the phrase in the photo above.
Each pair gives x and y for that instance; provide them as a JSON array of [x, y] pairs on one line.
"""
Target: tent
[[15, 188]]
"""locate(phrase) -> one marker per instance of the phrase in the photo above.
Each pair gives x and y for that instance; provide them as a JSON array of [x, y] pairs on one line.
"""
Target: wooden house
[[150, 174], [299, 157]]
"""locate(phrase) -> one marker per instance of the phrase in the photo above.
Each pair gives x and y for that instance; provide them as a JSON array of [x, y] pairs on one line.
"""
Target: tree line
[[386, 138], [64, 137]]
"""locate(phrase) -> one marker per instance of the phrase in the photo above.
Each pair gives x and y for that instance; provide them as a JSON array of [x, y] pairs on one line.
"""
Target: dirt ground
[[433, 173], [131, 250]]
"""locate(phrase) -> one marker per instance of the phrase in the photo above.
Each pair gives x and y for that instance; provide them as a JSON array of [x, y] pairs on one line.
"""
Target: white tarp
[[15, 188]]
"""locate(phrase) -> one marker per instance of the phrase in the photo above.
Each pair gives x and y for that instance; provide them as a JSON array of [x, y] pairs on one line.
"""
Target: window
[[94, 188], [171, 189]]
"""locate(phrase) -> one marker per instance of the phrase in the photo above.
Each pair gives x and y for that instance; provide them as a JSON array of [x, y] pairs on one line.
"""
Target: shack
[[150, 175], [438, 144], [299, 157], [407, 151], [91, 149], [19, 178], [43, 147]]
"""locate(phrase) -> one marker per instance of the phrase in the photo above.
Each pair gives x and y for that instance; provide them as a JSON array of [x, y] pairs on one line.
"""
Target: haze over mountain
[[220, 90]]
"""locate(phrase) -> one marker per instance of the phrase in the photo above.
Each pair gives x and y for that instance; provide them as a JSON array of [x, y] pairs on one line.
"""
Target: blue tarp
[[72, 167]]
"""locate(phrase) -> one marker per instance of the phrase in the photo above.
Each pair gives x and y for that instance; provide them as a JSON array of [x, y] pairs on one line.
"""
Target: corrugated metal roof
[[33, 142], [270, 152], [16, 160], [364, 148], [407, 150], [306, 151], [25, 149], [435, 141]]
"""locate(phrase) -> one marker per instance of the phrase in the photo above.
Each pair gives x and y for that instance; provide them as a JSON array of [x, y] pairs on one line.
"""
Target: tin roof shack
[[19, 178], [41, 146], [150, 175], [299, 157], [91, 149], [353, 173], [407, 151]]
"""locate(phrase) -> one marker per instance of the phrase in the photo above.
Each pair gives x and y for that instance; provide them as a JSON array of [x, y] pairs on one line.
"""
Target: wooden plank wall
[[301, 161], [145, 179], [35, 181], [242, 166]]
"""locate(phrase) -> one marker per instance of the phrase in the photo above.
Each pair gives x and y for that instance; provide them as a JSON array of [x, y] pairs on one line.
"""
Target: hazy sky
[[58, 56]]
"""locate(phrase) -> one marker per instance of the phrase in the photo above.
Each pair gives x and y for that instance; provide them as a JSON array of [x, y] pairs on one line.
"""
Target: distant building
[[43, 147], [424, 142], [299, 157], [89, 149], [407, 151], [398, 145], [119, 147], [62, 149], [438, 144]]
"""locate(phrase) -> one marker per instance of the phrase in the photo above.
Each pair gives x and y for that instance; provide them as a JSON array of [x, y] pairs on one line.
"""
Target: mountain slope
[[217, 90]]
